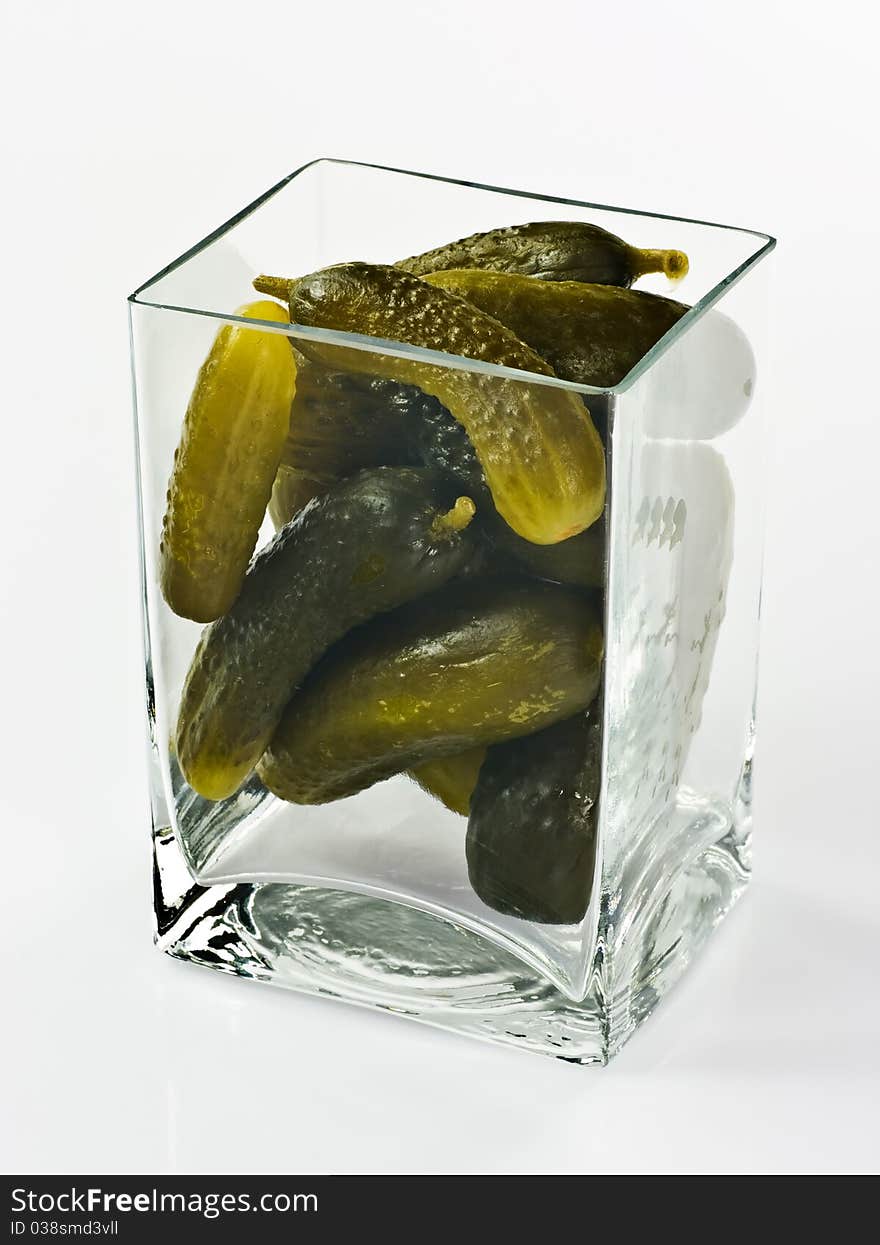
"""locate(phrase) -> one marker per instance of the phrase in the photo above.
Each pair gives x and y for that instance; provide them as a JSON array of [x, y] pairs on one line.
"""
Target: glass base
[[377, 953]]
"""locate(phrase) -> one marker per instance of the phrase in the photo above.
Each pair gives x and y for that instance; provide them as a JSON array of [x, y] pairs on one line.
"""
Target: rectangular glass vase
[[368, 898]]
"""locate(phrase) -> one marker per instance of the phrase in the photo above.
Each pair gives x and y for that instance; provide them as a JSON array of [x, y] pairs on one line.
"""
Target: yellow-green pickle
[[540, 454], [224, 467], [480, 662], [555, 250]]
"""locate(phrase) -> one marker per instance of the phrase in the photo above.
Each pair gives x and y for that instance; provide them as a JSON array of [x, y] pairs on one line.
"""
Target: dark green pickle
[[372, 543], [580, 560], [340, 423], [589, 334], [435, 439], [556, 250], [481, 661], [416, 430], [531, 838]]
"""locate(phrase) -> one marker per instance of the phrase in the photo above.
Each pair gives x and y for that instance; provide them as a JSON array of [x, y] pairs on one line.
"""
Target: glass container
[[368, 898]]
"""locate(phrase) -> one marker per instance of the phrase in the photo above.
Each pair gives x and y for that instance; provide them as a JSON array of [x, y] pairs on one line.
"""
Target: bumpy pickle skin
[[531, 839], [589, 334], [420, 432], [438, 441], [481, 661], [556, 250], [340, 423], [373, 542], [452, 779], [225, 464], [540, 454]]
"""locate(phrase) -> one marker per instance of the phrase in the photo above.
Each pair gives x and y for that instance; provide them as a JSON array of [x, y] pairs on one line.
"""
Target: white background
[[129, 131]]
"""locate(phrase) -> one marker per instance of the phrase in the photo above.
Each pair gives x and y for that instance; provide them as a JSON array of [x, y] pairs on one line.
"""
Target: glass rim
[[440, 358]]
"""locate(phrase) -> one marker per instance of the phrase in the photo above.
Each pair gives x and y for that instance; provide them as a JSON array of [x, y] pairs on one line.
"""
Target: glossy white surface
[[135, 133]]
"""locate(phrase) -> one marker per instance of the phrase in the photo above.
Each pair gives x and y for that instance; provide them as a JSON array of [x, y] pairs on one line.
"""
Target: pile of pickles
[[431, 603]]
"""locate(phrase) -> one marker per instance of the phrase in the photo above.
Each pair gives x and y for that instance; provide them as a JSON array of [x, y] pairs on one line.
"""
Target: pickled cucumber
[[579, 560], [481, 661], [425, 434], [437, 440], [340, 423], [371, 543], [539, 452], [224, 466], [531, 839], [589, 334], [451, 779], [556, 250]]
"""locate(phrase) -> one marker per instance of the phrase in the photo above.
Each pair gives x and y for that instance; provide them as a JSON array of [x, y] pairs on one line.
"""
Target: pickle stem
[[275, 287], [673, 264], [456, 519]]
